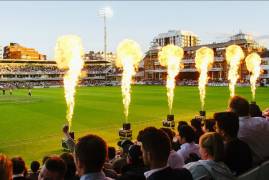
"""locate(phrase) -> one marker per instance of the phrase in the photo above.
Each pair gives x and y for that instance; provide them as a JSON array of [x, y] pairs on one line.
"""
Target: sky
[[39, 24]]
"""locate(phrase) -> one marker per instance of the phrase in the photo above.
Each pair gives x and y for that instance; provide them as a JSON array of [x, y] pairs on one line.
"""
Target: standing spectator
[[208, 125], [175, 160], [211, 165], [70, 166], [90, 156], [196, 124], [53, 169], [156, 149], [237, 153], [252, 130], [35, 170], [5, 168], [19, 168], [188, 146]]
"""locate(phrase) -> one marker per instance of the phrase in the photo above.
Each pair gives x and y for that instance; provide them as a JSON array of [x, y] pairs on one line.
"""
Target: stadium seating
[[250, 175]]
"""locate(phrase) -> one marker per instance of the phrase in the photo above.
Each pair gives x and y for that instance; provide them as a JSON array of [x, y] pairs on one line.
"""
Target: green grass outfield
[[31, 126]]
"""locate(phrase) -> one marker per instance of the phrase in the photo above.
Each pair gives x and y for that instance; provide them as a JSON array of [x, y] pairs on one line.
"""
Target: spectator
[[175, 160], [19, 168], [208, 125], [35, 170], [135, 166], [196, 124], [90, 156], [237, 153], [252, 130], [265, 113], [211, 165], [53, 169], [68, 142], [254, 110], [186, 139], [156, 149], [5, 168], [111, 153], [70, 166]]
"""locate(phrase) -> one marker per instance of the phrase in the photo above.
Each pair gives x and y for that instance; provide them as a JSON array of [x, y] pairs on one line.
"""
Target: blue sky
[[38, 24]]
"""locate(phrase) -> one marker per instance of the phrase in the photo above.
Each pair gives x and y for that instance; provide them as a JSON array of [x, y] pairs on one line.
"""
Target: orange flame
[[170, 56], [128, 57], [68, 55], [234, 54], [203, 61], [253, 62]]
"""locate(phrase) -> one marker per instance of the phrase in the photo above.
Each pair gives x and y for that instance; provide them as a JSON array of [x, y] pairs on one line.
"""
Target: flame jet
[[253, 62], [203, 61], [69, 56], [128, 57], [170, 56], [234, 54]]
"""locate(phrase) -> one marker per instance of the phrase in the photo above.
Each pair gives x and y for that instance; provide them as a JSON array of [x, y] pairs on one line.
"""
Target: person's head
[[227, 124], [18, 165], [181, 123], [44, 159], [155, 147], [211, 147], [90, 154], [186, 134], [125, 144], [171, 134], [5, 168], [70, 164], [239, 105], [254, 110], [111, 153], [53, 169], [196, 124], [35, 166], [135, 155], [208, 125]]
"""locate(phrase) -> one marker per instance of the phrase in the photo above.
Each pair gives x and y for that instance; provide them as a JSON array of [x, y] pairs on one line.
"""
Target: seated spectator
[[211, 165], [53, 169], [156, 148], [254, 110], [196, 124], [70, 166], [19, 168], [108, 167], [35, 165], [111, 153], [265, 113], [181, 123], [186, 139], [252, 130], [238, 155], [5, 168], [135, 165], [90, 156], [175, 160], [208, 125]]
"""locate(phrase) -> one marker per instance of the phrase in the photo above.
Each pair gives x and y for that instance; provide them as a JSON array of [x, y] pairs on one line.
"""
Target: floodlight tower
[[105, 13]]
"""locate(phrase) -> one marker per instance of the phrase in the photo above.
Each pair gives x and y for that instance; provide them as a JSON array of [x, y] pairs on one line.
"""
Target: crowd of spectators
[[221, 148]]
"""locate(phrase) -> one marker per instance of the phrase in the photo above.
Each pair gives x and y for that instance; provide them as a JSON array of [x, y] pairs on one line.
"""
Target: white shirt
[[175, 160], [152, 171], [187, 148], [255, 132]]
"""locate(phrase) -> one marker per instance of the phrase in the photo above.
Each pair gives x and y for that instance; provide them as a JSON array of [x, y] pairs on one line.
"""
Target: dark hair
[[135, 154], [44, 159], [5, 168], [197, 124], [18, 165], [228, 122], [254, 110], [239, 105], [91, 151], [171, 134], [111, 152], [70, 165], [156, 142], [56, 164], [209, 124], [213, 144], [35, 166], [187, 132], [181, 123]]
